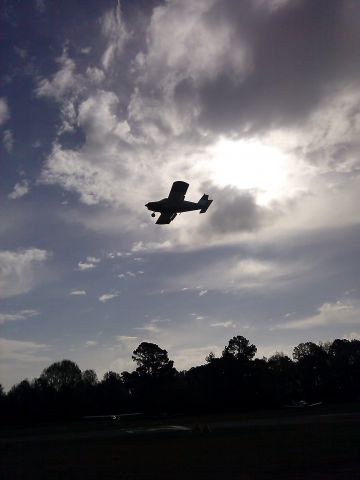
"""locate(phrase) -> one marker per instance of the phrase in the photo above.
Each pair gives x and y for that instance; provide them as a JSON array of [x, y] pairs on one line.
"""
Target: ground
[[321, 444]]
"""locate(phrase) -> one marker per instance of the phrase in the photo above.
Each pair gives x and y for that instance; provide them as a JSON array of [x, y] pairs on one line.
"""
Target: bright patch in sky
[[250, 165]]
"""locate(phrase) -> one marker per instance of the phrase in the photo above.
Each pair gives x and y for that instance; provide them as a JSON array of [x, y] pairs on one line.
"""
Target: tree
[[152, 360], [307, 350], [283, 379], [345, 368], [89, 377], [62, 375], [239, 348], [111, 378], [313, 368], [210, 358]]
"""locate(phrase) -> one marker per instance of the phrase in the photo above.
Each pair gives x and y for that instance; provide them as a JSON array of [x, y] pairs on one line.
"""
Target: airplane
[[302, 404], [116, 416], [175, 203]]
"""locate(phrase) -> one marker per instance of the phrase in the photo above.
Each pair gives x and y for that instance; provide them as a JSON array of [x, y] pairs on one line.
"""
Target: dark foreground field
[[316, 445]]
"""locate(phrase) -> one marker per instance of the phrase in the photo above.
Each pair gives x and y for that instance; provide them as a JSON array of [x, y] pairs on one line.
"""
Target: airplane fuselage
[[167, 206]]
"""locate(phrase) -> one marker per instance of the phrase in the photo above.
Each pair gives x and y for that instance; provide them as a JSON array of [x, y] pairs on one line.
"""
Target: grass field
[[287, 446]]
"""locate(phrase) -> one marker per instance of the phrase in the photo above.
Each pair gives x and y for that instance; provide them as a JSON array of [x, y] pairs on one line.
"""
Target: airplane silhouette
[[175, 203]]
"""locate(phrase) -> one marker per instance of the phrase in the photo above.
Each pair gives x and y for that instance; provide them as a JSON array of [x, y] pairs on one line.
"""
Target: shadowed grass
[[318, 450]]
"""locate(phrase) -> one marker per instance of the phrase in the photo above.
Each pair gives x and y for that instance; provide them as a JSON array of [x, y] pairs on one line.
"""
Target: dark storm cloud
[[235, 211], [297, 52]]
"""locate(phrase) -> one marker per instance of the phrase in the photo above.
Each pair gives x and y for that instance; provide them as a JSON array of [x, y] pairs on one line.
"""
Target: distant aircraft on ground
[[175, 203], [116, 416], [303, 403]]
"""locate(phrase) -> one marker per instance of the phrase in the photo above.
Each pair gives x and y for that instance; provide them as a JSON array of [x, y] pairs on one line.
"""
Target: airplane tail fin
[[204, 203]]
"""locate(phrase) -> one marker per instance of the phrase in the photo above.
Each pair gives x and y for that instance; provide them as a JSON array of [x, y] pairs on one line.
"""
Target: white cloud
[[114, 30], [150, 327], [108, 296], [20, 189], [18, 270], [8, 140], [202, 292], [234, 273], [93, 259], [23, 351], [78, 292], [337, 313], [226, 324], [352, 336], [91, 343], [62, 82], [85, 266], [86, 50], [96, 75], [74, 171], [126, 338], [4, 110], [142, 247], [20, 315]]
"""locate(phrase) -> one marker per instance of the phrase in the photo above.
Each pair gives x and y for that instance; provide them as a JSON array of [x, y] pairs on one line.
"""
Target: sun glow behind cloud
[[250, 165]]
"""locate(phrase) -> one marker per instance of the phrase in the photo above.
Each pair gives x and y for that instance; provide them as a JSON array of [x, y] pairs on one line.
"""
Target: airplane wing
[[166, 218], [178, 191]]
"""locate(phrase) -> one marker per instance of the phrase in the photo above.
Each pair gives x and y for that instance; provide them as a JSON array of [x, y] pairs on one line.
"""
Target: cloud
[[85, 266], [78, 292], [96, 75], [40, 6], [8, 140], [108, 296], [63, 82], [289, 72], [91, 343], [4, 110], [235, 211], [23, 351], [142, 247], [64, 87], [93, 259], [86, 50], [352, 336], [226, 324], [20, 315], [20, 189], [202, 292], [150, 327], [234, 273], [337, 313], [126, 338], [178, 28], [113, 29], [18, 270]]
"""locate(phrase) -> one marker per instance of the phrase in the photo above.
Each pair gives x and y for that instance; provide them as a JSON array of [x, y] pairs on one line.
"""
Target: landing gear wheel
[[153, 214]]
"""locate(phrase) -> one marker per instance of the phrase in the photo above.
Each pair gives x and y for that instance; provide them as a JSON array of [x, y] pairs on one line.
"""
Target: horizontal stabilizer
[[203, 210]]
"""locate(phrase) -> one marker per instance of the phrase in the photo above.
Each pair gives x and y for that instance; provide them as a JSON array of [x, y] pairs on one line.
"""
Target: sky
[[103, 105]]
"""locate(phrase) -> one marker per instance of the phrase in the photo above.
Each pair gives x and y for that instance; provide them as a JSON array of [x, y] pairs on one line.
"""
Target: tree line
[[236, 380]]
